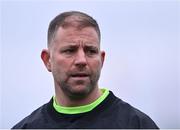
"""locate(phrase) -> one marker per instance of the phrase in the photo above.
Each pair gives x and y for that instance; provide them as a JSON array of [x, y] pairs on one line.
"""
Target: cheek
[[61, 65], [59, 71], [96, 65]]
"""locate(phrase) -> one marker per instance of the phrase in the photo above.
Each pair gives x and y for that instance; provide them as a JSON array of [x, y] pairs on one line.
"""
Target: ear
[[102, 57], [45, 56]]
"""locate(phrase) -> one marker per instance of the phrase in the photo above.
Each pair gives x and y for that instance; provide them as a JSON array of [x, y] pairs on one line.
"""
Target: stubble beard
[[69, 90]]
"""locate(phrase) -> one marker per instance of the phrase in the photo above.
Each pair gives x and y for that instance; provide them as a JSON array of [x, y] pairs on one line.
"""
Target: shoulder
[[131, 116], [33, 119]]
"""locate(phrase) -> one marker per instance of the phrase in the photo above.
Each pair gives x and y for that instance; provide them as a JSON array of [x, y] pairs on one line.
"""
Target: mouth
[[80, 75]]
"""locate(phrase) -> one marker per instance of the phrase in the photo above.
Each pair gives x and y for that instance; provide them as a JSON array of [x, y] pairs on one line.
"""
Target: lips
[[80, 75]]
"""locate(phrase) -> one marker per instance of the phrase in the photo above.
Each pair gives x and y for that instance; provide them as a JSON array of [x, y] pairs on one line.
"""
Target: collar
[[80, 109]]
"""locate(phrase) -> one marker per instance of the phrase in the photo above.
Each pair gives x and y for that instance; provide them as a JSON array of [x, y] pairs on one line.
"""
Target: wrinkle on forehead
[[80, 44], [74, 35]]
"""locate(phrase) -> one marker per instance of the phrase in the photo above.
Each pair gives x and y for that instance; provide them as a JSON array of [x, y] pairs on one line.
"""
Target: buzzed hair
[[75, 19]]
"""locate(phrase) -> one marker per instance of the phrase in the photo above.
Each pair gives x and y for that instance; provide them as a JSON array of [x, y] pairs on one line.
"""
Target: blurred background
[[142, 66]]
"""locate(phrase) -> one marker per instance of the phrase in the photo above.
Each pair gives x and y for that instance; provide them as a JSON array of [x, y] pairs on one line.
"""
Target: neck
[[63, 100]]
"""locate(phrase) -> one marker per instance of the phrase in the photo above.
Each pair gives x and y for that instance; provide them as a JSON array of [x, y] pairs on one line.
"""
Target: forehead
[[86, 35]]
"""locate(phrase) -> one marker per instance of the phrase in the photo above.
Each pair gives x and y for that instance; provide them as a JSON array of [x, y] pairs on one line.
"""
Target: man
[[75, 60]]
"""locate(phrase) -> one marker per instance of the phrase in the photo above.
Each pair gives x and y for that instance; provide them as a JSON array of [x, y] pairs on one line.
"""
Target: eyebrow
[[75, 45], [92, 47]]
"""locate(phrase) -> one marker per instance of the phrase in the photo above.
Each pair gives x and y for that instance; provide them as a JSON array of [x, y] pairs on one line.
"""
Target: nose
[[80, 59]]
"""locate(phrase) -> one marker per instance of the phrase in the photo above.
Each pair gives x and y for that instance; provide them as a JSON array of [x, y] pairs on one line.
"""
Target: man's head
[[74, 19], [73, 55]]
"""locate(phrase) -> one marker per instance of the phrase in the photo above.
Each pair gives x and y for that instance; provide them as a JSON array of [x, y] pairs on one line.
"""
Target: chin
[[79, 91]]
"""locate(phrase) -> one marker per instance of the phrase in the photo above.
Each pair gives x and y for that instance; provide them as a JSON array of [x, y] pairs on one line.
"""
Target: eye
[[91, 51], [68, 51]]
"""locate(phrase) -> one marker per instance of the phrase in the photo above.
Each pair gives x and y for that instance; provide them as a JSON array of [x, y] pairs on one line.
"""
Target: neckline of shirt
[[80, 109]]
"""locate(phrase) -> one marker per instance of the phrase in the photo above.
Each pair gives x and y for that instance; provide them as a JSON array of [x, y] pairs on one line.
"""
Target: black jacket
[[111, 113]]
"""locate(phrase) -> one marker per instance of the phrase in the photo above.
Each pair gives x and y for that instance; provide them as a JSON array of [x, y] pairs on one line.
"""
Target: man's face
[[76, 60]]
